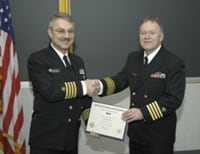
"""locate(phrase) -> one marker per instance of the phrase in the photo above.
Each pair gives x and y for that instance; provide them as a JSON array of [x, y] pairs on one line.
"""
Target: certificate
[[106, 120]]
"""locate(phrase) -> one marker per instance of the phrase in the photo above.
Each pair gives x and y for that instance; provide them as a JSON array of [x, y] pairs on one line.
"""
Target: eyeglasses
[[62, 31]]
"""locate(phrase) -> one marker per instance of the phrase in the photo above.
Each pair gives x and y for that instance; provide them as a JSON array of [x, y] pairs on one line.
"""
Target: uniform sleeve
[[115, 83], [47, 83], [86, 109], [173, 96]]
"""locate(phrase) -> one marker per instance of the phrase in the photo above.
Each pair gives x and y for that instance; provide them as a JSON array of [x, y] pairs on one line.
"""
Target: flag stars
[[1, 10], [5, 20], [7, 7], [5, 17]]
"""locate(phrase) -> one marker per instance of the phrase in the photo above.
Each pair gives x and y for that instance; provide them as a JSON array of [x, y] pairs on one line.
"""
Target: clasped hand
[[93, 87]]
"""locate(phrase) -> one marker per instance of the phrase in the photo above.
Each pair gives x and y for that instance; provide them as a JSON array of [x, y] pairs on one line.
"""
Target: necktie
[[66, 61], [145, 60]]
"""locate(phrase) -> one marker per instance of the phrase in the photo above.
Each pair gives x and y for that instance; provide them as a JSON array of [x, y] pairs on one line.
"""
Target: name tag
[[53, 70]]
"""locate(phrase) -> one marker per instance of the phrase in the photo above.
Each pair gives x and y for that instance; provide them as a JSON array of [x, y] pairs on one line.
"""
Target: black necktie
[[66, 61], [145, 60]]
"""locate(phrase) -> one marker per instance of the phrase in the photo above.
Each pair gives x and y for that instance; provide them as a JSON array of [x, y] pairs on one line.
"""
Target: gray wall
[[107, 30]]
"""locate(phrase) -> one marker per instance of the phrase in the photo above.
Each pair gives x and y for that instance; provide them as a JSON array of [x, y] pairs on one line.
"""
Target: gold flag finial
[[65, 6]]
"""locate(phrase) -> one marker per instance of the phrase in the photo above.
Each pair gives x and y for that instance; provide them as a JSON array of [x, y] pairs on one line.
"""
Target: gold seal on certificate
[[106, 120]]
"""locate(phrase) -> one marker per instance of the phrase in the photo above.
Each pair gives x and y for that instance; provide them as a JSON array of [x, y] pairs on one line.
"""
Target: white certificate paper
[[106, 120]]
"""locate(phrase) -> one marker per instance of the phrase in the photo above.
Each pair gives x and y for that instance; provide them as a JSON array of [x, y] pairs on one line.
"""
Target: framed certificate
[[106, 120]]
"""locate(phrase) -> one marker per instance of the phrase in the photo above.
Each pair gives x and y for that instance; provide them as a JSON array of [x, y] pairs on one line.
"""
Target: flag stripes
[[12, 140]]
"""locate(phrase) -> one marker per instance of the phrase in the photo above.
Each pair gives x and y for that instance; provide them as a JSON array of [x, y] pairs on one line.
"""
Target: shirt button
[[163, 109], [145, 96], [63, 89], [70, 107], [69, 120], [133, 93], [132, 104]]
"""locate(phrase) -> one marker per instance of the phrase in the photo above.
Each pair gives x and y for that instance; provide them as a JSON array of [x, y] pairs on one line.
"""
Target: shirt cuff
[[101, 88], [84, 87]]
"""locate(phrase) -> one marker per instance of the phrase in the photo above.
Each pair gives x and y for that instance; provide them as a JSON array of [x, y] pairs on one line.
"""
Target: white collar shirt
[[61, 54], [152, 55]]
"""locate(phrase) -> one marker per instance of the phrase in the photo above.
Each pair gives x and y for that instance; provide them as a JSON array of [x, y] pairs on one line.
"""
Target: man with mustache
[[61, 92]]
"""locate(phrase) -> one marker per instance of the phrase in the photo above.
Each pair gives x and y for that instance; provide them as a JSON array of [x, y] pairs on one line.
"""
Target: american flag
[[12, 140]]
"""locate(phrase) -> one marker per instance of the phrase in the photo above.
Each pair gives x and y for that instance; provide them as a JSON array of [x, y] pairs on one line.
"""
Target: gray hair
[[60, 15]]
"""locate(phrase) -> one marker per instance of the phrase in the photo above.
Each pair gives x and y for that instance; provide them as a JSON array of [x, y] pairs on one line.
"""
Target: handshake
[[93, 87]]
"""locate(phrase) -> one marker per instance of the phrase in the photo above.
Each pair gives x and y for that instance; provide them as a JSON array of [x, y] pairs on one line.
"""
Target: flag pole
[[65, 6]]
